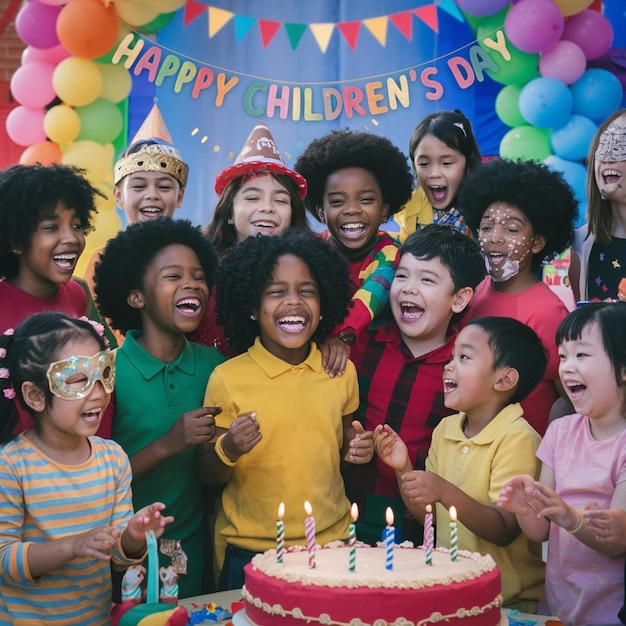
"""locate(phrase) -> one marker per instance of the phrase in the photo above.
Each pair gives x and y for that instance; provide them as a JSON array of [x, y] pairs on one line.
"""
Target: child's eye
[[172, 276], [400, 275], [76, 380], [251, 198]]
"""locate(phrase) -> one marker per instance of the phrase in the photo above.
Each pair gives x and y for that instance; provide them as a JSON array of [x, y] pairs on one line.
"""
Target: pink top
[[582, 585], [541, 309]]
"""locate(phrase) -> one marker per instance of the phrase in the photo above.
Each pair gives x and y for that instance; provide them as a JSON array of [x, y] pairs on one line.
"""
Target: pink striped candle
[[309, 531], [280, 533], [429, 534]]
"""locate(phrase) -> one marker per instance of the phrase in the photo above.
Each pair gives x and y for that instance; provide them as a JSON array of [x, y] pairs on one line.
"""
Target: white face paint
[[612, 144]]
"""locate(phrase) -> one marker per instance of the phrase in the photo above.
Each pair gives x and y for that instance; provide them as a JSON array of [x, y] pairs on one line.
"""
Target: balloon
[[100, 121], [62, 124], [533, 25], [159, 22], [54, 3], [571, 7], [478, 7], [507, 106], [168, 6], [572, 140], [94, 157], [135, 13], [598, 93], [25, 126], [525, 142], [105, 226], [51, 55], [564, 61], [31, 84], [77, 81], [592, 31], [575, 175], [35, 24], [87, 28], [116, 82], [44, 152], [545, 102]]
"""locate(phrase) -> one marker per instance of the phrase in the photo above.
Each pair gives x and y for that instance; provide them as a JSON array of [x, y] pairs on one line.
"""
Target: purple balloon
[[36, 24], [534, 25], [564, 61], [591, 30], [482, 7]]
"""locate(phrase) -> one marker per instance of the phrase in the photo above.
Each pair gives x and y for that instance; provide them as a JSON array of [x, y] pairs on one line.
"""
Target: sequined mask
[[74, 378]]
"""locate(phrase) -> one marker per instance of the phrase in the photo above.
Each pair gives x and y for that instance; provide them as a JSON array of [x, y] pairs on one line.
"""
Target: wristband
[[581, 523], [221, 455], [348, 337]]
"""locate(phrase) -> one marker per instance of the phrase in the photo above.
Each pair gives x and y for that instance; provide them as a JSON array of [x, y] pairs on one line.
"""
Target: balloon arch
[[73, 101]]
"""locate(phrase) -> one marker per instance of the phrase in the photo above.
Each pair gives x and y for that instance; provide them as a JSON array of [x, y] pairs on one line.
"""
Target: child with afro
[[152, 281], [285, 425], [356, 182], [522, 214]]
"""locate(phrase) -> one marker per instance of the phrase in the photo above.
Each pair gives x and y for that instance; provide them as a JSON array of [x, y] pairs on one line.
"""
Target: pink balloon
[[25, 126], [51, 55], [31, 84], [592, 31], [54, 3], [36, 24], [564, 61], [533, 25]]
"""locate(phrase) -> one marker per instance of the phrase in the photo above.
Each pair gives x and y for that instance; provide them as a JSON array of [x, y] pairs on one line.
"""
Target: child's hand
[[551, 506], [390, 448], [148, 518], [608, 526], [244, 433], [96, 543], [193, 428], [517, 495], [335, 355], [421, 487], [361, 446]]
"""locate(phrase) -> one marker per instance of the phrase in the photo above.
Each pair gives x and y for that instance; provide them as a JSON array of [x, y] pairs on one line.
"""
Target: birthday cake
[[465, 592]]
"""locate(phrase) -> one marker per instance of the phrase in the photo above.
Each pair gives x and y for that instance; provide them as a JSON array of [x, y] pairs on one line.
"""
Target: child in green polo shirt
[[153, 282]]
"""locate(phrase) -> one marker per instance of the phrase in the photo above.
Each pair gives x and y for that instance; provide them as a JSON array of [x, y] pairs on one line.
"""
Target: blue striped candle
[[390, 539]]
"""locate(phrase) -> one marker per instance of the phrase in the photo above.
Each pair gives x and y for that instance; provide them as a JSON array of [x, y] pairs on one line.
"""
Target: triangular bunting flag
[[449, 6], [403, 21], [268, 29], [428, 15], [243, 24], [378, 27], [294, 33], [218, 18], [193, 10], [322, 34], [350, 32]]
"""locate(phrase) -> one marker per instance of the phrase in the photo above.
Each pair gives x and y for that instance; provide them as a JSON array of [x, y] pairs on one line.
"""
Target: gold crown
[[148, 161]]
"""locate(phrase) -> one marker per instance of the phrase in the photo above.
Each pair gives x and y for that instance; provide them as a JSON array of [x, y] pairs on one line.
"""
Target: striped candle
[[453, 534], [354, 514], [390, 539], [429, 534], [309, 531], [280, 533]]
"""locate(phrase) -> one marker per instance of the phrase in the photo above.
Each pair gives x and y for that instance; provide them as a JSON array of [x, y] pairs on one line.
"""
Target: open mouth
[[409, 311], [292, 323], [92, 416], [151, 212], [575, 390], [264, 225], [439, 193], [353, 229], [611, 177], [65, 262], [449, 385], [189, 306]]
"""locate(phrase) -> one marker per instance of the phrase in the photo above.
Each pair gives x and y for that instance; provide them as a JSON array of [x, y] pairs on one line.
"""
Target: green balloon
[[159, 22], [507, 106], [526, 142], [101, 121], [476, 21]]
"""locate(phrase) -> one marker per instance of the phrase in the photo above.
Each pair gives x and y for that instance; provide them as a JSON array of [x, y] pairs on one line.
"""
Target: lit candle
[[453, 537], [280, 533], [390, 538], [354, 514], [309, 531], [429, 534]]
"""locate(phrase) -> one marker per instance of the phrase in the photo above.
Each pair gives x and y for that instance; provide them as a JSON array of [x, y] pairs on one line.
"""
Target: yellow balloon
[[77, 81], [167, 6], [106, 226], [61, 124], [134, 12], [116, 82], [105, 205], [572, 7], [91, 156]]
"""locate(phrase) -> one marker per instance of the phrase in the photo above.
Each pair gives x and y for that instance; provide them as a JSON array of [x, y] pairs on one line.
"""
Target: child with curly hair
[[44, 215], [523, 214], [285, 425], [356, 182], [152, 281]]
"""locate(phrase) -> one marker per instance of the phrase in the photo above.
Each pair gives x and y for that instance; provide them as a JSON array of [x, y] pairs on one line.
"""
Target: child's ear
[[135, 299], [34, 396], [181, 195], [461, 299], [539, 243], [384, 214], [507, 379], [320, 214], [119, 197]]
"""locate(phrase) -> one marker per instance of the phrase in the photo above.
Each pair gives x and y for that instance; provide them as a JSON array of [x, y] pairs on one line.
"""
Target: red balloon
[[87, 28]]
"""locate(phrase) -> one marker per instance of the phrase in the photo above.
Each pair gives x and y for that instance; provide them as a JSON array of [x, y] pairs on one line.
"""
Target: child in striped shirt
[[65, 496]]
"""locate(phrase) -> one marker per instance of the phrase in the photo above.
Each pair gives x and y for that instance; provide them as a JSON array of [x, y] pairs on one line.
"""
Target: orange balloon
[[44, 152], [87, 28]]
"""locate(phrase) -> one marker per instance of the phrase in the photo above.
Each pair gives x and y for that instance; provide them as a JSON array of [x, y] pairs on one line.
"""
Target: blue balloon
[[546, 102], [575, 175], [597, 94], [572, 140]]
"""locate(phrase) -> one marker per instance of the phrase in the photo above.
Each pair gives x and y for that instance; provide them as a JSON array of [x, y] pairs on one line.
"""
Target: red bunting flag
[[428, 15], [268, 29], [193, 10], [403, 21], [350, 32]]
